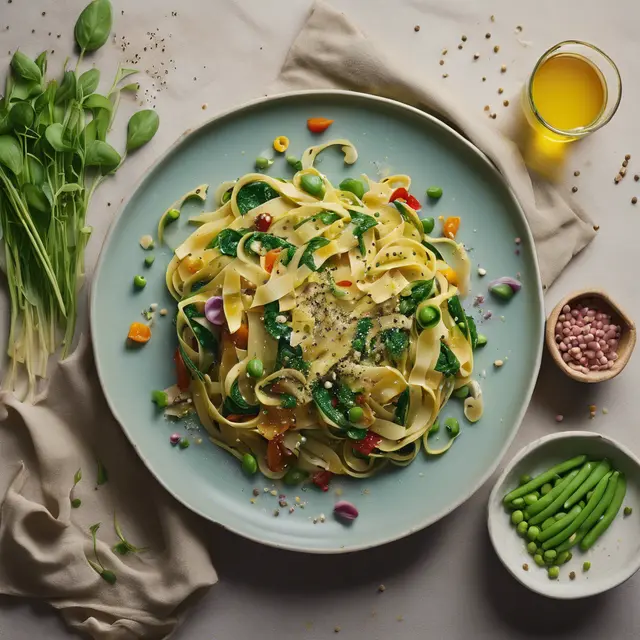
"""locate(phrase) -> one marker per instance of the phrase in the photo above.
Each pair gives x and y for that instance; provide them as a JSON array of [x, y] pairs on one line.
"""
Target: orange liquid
[[569, 92]]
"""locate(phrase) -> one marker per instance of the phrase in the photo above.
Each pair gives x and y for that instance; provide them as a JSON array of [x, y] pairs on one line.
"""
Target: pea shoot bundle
[[572, 503], [52, 158]]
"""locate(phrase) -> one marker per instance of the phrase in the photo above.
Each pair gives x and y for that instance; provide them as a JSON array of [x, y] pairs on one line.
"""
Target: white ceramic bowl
[[616, 555]]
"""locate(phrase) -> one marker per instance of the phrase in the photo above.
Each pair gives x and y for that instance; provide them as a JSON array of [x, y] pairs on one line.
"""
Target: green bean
[[589, 495], [566, 533], [530, 498], [553, 573], [545, 488], [565, 490], [532, 548], [538, 559], [563, 557], [559, 516], [602, 505], [522, 528], [543, 478], [559, 525], [434, 192], [557, 482], [255, 368], [582, 503], [525, 479], [550, 498], [547, 523], [533, 533], [517, 517], [609, 515], [313, 185], [596, 475], [428, 224], [570, 542]]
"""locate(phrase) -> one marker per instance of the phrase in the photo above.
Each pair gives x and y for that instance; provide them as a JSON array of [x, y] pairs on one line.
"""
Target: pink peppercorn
[[174, 438]]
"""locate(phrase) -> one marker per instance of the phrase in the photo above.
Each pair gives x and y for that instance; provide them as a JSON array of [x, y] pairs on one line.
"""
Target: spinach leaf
[[307, 255], [206, 338], [433, 250], [287, 401], [254, 194], [420, 290], [270, 242], [447, 363], [237, 397], [227, 240], [190, 364], [346, 397], [455, 309], [361, 222], [235, 403], [402, 408], [322, 398], [289, 357], [356, 433], [396, 342], [359, 342], [276, 329], [326, 217]]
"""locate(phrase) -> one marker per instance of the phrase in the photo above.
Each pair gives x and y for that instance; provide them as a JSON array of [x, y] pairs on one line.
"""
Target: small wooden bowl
[[603, 303]]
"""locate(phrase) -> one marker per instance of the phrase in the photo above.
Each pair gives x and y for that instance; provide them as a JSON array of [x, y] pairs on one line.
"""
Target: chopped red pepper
[[318, 125], [321, 479], [182, 373], [360, 399], [401, 193], [263, 222], [344, 283], [414, 203], [334, 402], [368, 443]]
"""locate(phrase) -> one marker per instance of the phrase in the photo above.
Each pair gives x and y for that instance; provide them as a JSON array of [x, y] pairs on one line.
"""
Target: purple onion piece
[[214, 311], [345, 510], [515, 285]]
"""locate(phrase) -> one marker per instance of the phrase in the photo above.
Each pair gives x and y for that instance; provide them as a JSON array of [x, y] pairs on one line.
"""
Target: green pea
[[517, 517], [538, 559], [553, 573], [428, 317], [149, 260], [522, 528], [434, 192], [525, 479], [550, 555], [482, 340], [530, 498], [255, 368], [356, 414], [313, 185], [294, 477], [139, 282], [532, 547], [184, 443], [172, 215], [462, 392], [249, 464], [586, 566], [226, 196], [452, 426], [354, 186], [160, 398], [75, 503], [428, 224], [435, 427], [533, 532], [562, 557], [628, 511], [545, 488], [502, 291], [263, 163], [292, 161], [518, 503]]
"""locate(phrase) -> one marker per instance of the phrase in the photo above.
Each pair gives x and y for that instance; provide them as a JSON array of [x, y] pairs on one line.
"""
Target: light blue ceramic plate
[[389, 137]]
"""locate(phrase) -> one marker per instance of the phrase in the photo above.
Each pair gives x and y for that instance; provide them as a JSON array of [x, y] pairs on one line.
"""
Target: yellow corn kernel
[[281, 144], [193, 264], [451, 276]]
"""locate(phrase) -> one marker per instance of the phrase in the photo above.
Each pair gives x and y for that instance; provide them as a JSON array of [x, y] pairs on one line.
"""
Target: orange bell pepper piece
[[241, 337], [318, 125], [139, 333], [270, 259], [451, 226]]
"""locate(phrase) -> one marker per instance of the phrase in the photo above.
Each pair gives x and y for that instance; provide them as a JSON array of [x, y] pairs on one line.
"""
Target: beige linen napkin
[[45, 543], [331, 53]]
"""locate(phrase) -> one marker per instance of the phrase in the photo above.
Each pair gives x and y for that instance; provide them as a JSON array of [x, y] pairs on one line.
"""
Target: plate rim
[[284, 96]]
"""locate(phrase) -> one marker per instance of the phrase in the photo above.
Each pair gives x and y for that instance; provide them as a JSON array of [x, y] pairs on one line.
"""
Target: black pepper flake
[[634, 200], [44, 13], [574, 189]]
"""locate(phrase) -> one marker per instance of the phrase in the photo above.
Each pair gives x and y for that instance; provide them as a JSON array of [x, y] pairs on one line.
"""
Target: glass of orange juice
[[574, 89]]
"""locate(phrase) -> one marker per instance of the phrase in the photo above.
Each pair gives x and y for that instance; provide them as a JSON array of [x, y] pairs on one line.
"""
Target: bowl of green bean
[[564, 515]]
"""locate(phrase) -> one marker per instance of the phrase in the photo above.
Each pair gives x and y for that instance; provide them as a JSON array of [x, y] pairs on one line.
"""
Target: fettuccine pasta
[[322, 331]]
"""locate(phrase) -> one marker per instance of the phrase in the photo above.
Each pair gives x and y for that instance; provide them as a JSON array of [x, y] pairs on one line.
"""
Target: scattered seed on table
[[574, 189], [444, 52], [496, 49], [476, 56], [459, 46], [505, 103], [487, 35], [498, 363], [204, 106], [525, 566], [492, 18], [559, 418], [596, 227], [576, 173], [381, 588], [623, 172], [625, 163], [484, 78], [636, 177], [627, 157], [445, 75], [416, 28], [500, 90], [518, 29], [572, 575], [503, 68], [487, 107], [464, 38], [634, 200], [441, 62], [493, 116], [617, 179]]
